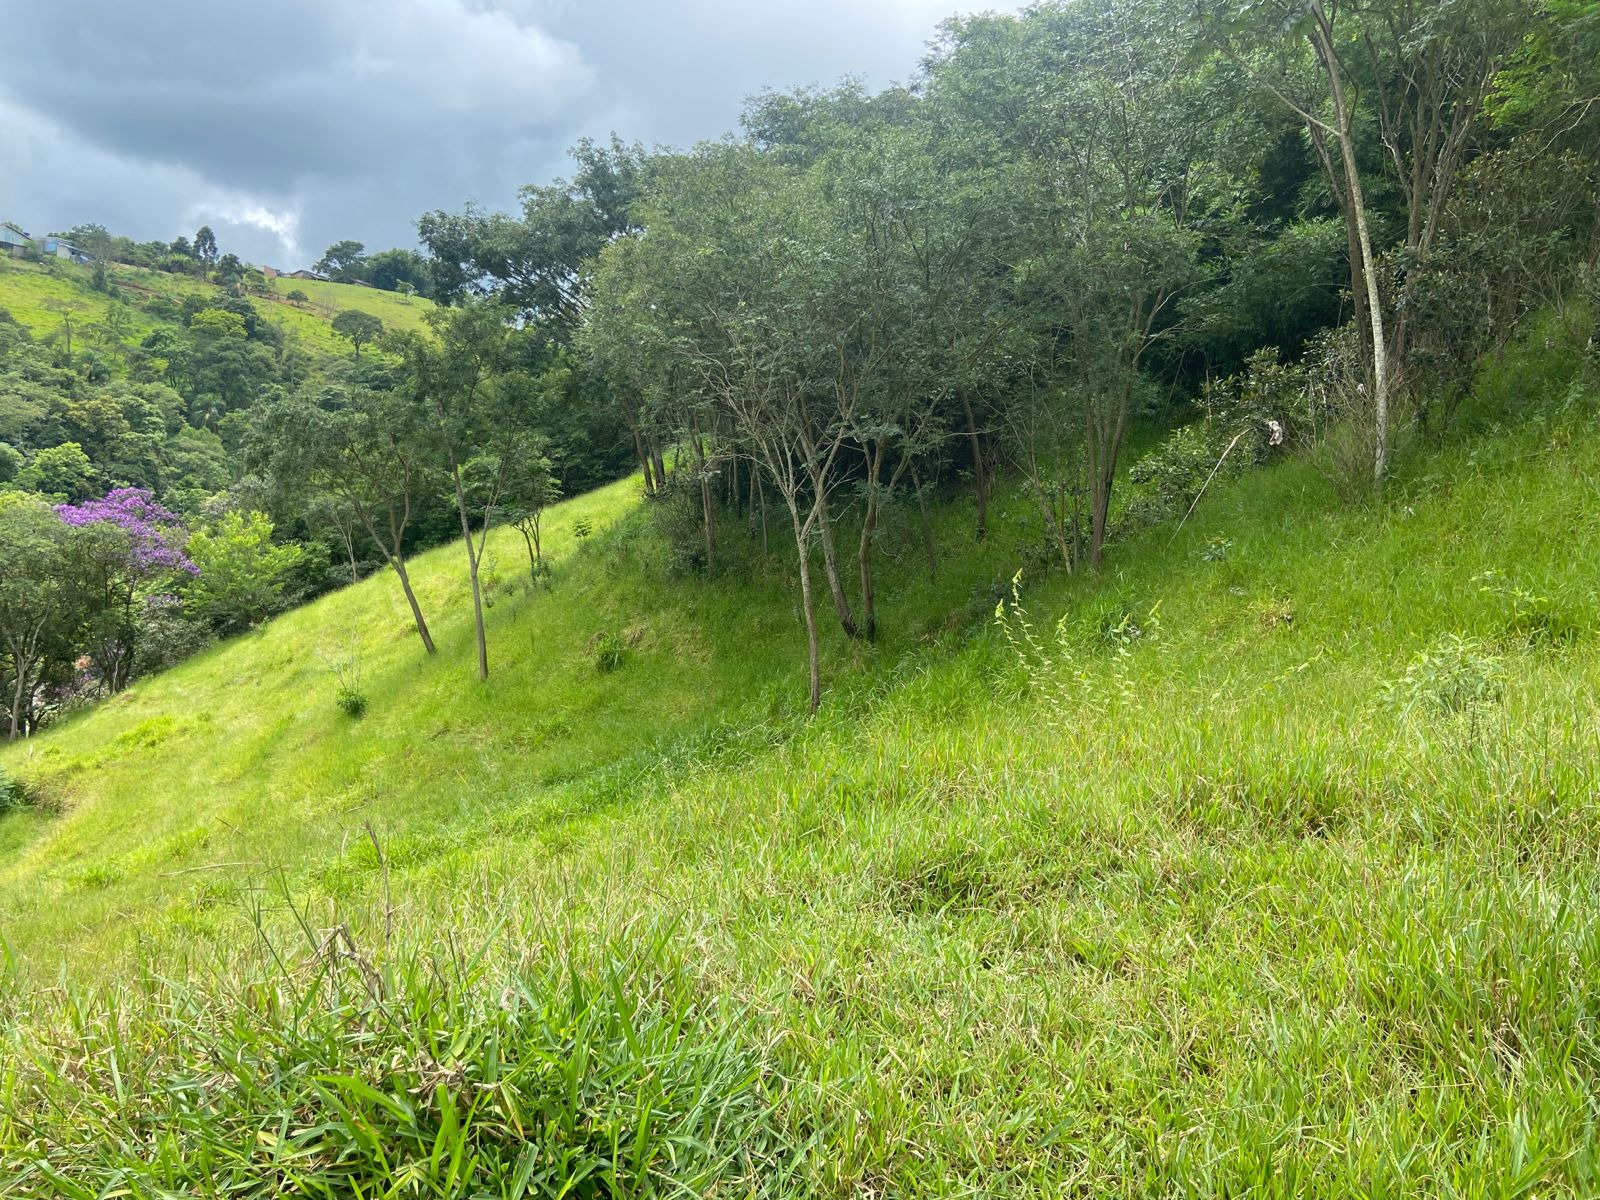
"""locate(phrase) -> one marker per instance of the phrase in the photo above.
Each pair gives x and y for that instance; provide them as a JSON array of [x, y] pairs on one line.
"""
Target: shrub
[[1455, 677], [348, 695], [351, 702], [581, 528], [1170, 477]]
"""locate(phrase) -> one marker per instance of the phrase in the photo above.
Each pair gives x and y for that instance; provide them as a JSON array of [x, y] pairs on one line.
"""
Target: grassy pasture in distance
[[1265, 862], [27, 289]]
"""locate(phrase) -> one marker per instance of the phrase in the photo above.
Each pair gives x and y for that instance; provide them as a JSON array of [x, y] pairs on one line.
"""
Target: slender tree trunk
[[869, 525], [808, 605], [927, 526], [644, 464], [761, 500], [980, 473], [392, 551], [472, 570], [830, 564], [1322, 36], [708, 515], [399, 565], [350, 551], [1104, 439], [660, 464], [21, 690]]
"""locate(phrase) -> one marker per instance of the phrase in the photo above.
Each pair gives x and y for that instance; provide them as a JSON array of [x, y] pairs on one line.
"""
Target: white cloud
[[234, 210], [290, 124]]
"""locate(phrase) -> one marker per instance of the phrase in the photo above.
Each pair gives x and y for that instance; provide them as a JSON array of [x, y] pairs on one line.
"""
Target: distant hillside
[[28, 291]]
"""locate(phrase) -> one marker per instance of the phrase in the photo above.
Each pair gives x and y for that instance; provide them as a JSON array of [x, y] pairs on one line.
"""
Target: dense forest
[[1216, 232]]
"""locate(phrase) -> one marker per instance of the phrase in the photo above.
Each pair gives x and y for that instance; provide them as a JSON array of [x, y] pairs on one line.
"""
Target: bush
[[1170, 477], [1455, 677], [348, 695]]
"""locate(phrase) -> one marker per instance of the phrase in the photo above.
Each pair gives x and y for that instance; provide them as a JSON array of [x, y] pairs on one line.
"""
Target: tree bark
[[1322, 38], [708, 514], [823, 517], [869, 525], [980, 473], [391, 551], [399, 566], [808, 606], [472, 569], [644, 464], [927, 527]]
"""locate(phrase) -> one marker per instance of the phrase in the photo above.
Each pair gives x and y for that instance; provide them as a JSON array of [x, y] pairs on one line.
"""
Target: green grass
[[1241, 906], [26, 290]]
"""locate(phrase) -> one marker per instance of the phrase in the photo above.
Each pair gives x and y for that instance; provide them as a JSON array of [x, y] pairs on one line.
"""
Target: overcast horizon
[[290, 126]]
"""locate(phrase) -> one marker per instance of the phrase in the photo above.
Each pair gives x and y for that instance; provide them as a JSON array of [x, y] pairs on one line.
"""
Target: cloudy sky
[[288, 124]]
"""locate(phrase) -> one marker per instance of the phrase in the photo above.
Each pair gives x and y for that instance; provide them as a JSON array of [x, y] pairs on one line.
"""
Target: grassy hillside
[[27, 291], [1263, 863]]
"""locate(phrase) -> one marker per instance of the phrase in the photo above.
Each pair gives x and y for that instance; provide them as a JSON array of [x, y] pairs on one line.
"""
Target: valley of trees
[[1216, 232]]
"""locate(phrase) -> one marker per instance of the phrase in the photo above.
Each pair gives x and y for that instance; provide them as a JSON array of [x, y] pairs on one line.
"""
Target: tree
[[711, 313], [340, 259], [145, 549], [229, 271], [364, 447], [205, 245], [358, 327], [65, 310], [535, 262], [1105, 165], [1240, 30], [474, 403], [530, 487], [63, 471], [34, 596], [403, 271], [241, 572]]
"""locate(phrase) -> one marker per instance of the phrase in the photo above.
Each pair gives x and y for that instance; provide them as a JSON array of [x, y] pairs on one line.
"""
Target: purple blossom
[[155, 534]]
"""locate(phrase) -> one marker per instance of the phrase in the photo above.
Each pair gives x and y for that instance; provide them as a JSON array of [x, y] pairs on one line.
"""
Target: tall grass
[[1293, 893]]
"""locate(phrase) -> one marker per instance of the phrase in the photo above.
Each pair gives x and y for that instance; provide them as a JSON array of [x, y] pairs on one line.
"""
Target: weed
[[1454, 677], [610, 650]]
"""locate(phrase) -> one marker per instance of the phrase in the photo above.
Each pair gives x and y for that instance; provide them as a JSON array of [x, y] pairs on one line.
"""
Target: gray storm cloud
[[289, 125]]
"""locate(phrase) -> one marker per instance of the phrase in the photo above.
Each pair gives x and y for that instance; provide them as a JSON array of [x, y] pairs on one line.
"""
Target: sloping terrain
[[1263, 863], [40, 296]]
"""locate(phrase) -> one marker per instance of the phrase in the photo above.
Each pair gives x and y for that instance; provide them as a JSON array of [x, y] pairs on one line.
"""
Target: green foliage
[[62, 471], [352, 703], [11, 794], [1454, 677], [357, 327], [1170, 477], [611, 651], [243, 573]]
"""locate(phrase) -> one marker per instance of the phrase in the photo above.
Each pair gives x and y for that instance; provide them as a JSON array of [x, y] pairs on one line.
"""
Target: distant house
[[271, 272], [14, 240], [59, 247], [304, 274]]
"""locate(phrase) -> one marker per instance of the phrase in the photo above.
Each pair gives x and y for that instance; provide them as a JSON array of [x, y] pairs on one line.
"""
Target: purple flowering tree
[[135, 546]]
